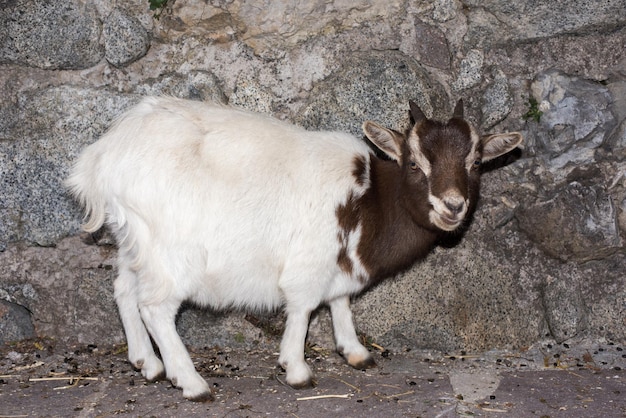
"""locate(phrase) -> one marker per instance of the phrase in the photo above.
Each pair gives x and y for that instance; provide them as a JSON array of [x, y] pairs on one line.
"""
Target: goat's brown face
[[440, 164], [447, 157]]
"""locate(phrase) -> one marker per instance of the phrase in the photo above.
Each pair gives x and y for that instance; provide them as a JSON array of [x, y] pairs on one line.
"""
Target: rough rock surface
[[125, 39], [544, 256], [50, 35]]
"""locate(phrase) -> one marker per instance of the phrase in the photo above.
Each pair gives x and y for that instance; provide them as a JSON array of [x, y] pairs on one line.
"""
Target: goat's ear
[[497, 144], [416, 113], [458, 110], [388, 141]]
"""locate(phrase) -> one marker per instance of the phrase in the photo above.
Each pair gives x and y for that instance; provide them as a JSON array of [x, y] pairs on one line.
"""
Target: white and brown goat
[[227, 208]]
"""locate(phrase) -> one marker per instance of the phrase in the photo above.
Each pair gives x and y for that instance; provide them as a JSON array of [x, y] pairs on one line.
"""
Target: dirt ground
[[44, 378]]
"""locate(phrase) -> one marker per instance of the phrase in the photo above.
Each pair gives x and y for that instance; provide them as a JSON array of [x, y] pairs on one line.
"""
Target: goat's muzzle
[[448, 211]]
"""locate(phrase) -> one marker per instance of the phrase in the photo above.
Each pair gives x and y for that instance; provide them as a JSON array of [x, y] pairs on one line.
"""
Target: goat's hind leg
[[140, 351], [348, 344], [160, 321]]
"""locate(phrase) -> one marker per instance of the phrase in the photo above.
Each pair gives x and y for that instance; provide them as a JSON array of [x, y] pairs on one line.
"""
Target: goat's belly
[[245, 284]]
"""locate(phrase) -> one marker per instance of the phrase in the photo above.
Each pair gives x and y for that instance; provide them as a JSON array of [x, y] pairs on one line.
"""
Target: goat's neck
[[392, 240]]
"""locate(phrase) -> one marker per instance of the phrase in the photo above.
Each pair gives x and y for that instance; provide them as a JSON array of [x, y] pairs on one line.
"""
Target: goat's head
[[440, 164]]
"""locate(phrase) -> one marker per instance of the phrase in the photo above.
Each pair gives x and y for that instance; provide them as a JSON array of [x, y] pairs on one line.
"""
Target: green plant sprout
[[157, 6], [533, 110]]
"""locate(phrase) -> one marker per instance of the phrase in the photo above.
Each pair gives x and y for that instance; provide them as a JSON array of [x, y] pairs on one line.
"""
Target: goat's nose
[[455, 206]]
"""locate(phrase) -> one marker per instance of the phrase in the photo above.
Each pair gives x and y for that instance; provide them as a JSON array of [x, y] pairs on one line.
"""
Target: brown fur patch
[[343, 260], [360, 171], [347, 214], [347, 218]]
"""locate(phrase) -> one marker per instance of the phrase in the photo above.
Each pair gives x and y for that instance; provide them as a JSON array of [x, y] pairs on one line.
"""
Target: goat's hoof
[[152, 369], [307, 384], [202, 397], [156, 378], [363, 364]]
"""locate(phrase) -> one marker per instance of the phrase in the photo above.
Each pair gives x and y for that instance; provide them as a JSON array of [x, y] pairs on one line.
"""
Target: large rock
[[374, 86], [46, 131], [470, 70], [576, 118], [579, 222], [125, 39], [495, 22], [497, 101], [602, 52], [15, 322], [67, 289], [51, 35]]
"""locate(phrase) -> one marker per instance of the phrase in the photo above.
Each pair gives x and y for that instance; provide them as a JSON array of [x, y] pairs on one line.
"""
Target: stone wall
[[544, 256]]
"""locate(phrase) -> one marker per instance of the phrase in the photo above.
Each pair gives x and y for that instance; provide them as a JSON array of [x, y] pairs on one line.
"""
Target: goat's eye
[[477, 163], [413, 165]]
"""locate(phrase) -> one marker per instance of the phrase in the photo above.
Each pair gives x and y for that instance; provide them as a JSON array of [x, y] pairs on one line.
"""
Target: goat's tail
[[85, 187]]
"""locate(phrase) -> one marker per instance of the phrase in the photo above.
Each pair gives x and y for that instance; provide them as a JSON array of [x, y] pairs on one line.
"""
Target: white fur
[[225, 208]]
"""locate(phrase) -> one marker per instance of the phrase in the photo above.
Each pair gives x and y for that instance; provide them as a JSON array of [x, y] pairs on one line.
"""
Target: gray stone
[[444, 10], [432, 46], [618, 93], [494, 21], [618, 139], [576, 119], [51, 127], [195, 85], [251, 95], [497, 101], [571, 101], [470, 71], [125, 39], [201, 327], [578, 223], [566, 314], [50, 35], [602, 52], [15, 323], [68, 289], [374, 86]]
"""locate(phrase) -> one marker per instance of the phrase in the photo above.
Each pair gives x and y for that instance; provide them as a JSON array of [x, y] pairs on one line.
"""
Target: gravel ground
[[45, 378]]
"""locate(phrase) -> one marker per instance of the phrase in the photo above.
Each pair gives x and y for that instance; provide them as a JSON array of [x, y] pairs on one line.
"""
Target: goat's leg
[[291, 357], [140, 351], [159, 319], [348, 344]]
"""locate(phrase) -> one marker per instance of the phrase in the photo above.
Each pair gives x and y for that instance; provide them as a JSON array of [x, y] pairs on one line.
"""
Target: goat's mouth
[[445, 222], [448, 211]]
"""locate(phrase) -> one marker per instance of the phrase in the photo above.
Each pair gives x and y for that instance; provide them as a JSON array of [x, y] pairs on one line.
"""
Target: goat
[[232, 209]]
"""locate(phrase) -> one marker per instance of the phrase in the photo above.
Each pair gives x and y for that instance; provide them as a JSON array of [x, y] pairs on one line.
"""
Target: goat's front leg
[[348, 344], [291, 357]]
